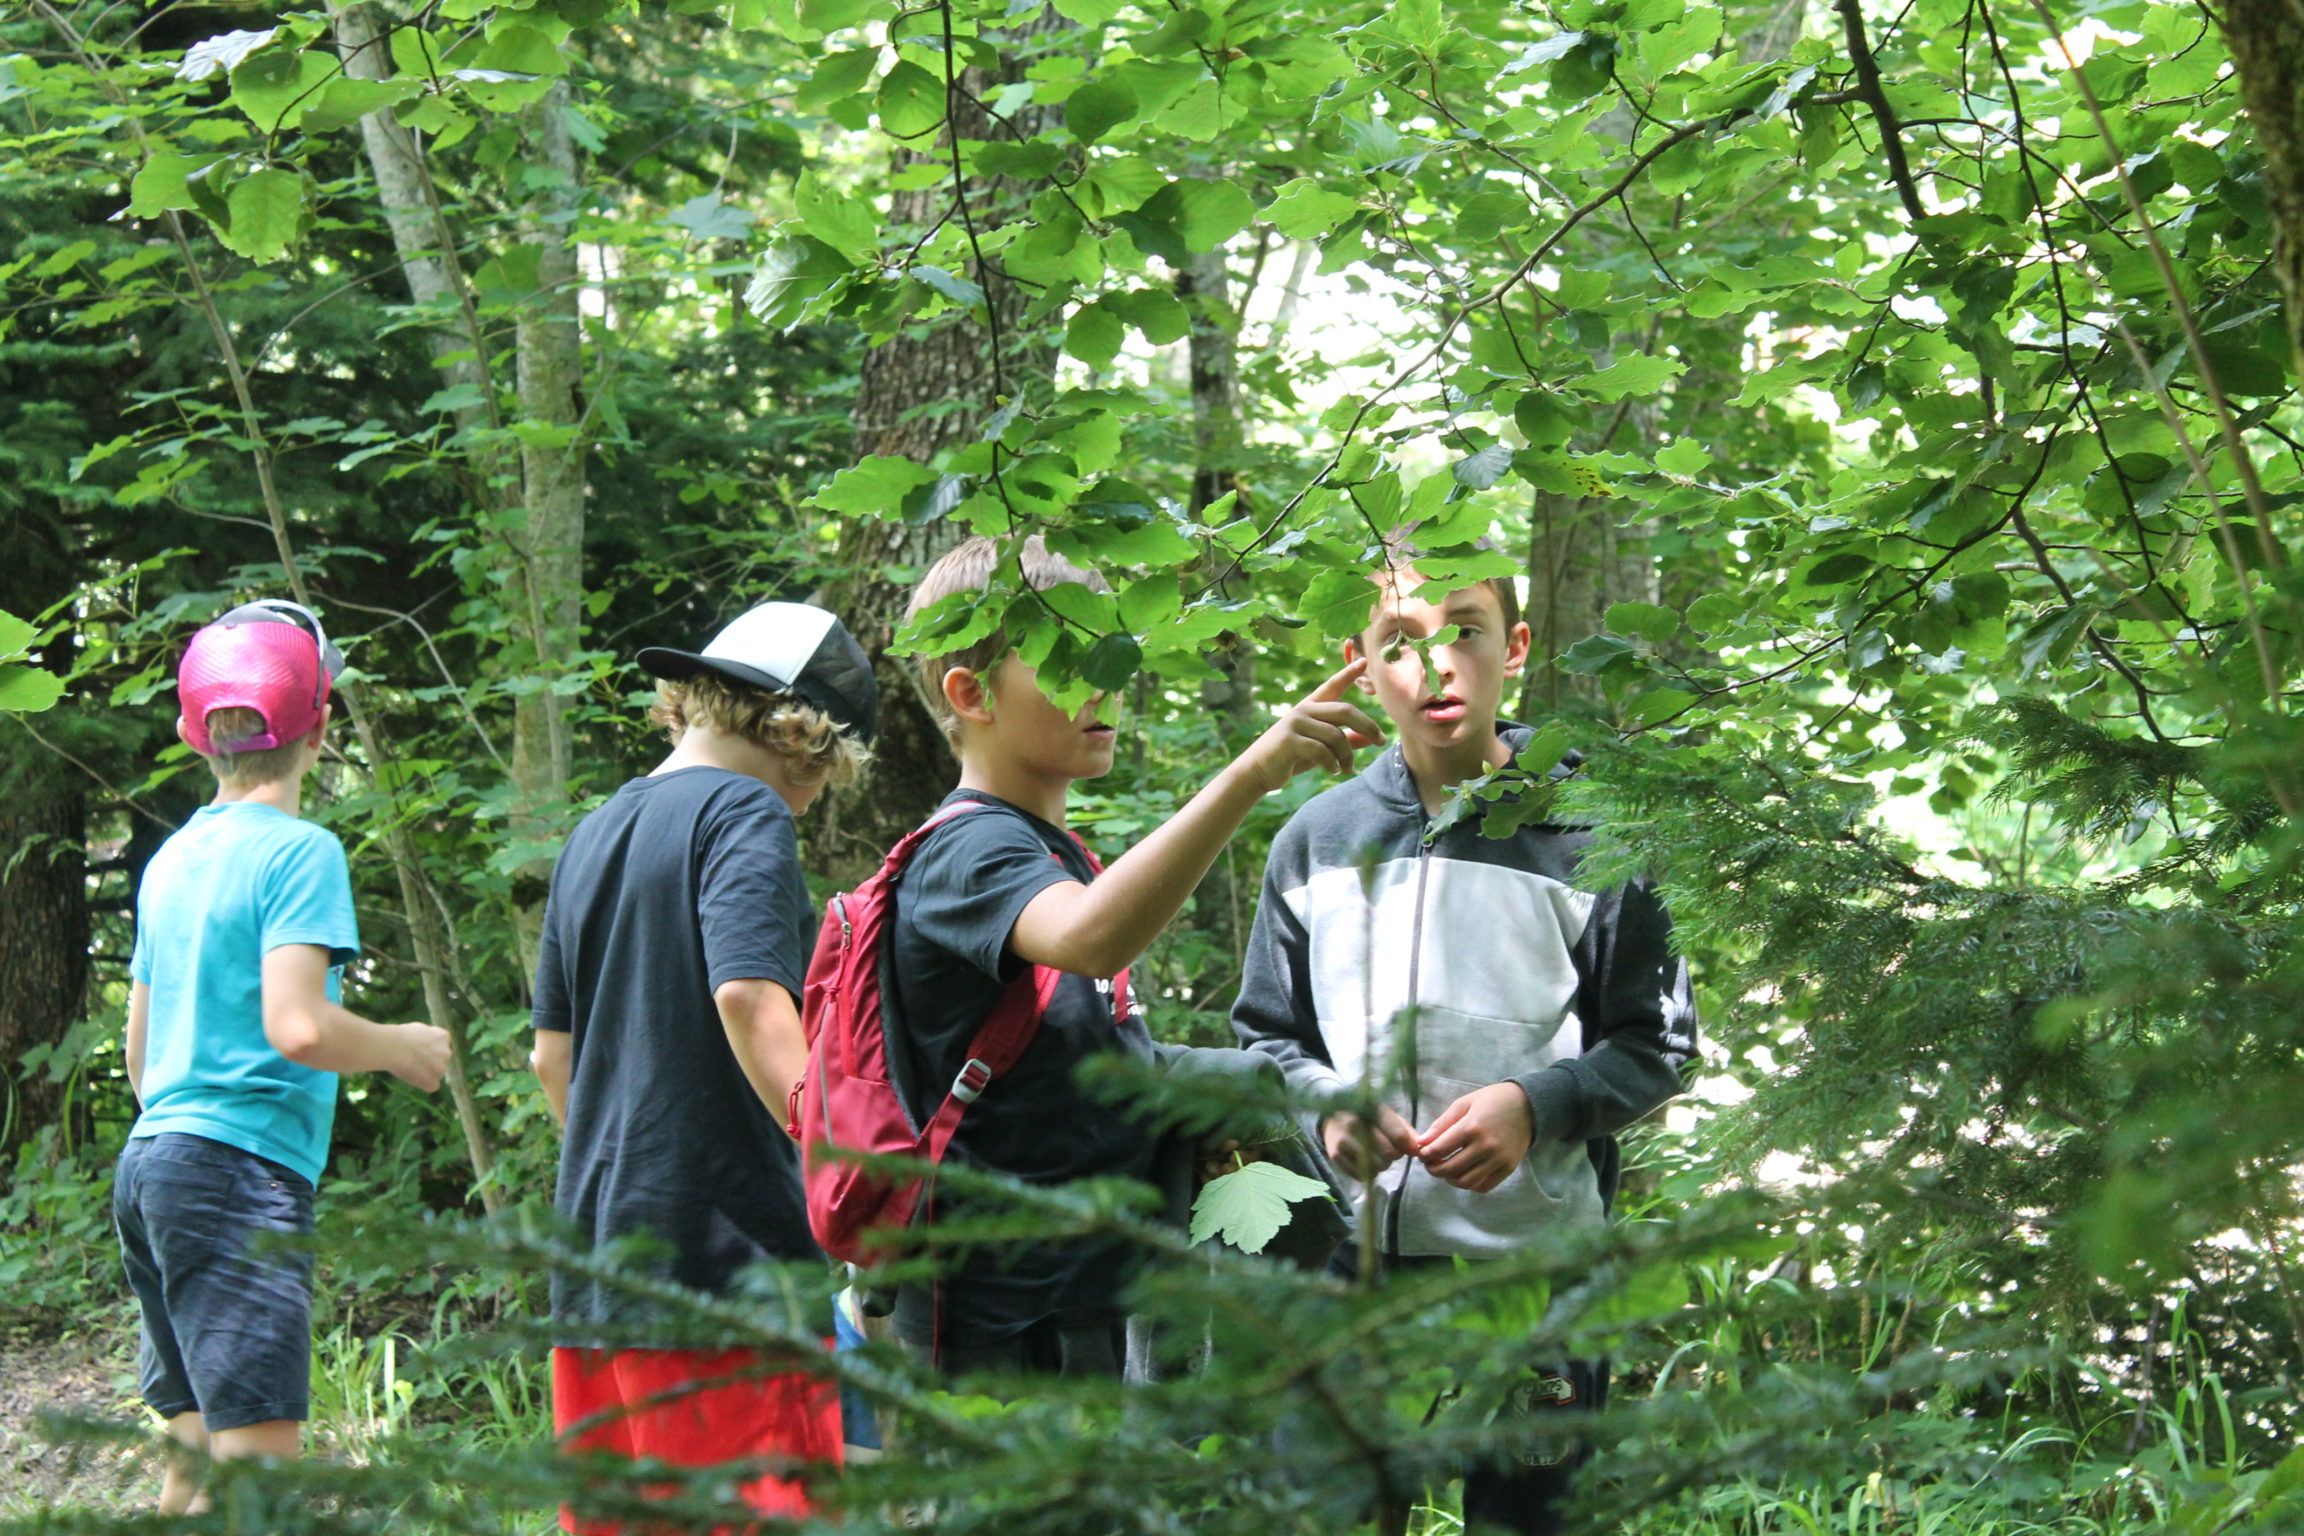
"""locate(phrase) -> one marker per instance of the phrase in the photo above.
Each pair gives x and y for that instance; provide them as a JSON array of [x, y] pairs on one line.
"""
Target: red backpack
[[848, 1100]]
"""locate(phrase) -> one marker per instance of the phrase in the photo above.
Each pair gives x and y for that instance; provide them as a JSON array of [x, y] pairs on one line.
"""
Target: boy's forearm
[[1098, 929], [766, 1037], [139, 1015], [551, 1060], [329, 1037]]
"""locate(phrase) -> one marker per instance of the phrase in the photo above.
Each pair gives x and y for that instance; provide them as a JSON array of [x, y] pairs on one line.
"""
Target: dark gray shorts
[[225, 1333]]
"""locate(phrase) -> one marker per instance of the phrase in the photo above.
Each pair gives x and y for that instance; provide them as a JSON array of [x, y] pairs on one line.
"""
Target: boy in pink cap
[[235, 1037]]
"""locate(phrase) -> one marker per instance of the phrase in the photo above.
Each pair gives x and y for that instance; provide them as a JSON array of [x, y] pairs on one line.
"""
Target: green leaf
[[521, 49], [832, 216], [163, 184], [456, 397], [222, 53], [1483, 469], [15, 636], [269, 214], [1154, 311], [1421, 24], [273, 87], [960, 290], [838, 77], [708, 218], [346, 100], [1546, 421], [911, 101], [1338, 602], [28, 690], [1093, 335], [1203, 213], [793, 272], [1304, 210], [1684, 457], [1595, 654], [1248, 1206], [832, 15], [1111, 661], [1098, 107], [875, 487], [1639, 374], [1642, 621]]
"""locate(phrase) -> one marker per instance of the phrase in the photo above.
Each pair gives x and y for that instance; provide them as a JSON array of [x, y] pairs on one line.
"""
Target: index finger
[[1334, 688]]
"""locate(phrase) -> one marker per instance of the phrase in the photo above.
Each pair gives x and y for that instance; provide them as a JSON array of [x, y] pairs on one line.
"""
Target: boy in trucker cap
[[668, 1039], [235, 1038]]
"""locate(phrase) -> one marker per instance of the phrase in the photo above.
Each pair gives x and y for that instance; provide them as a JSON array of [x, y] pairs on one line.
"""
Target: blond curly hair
[[814, 749]]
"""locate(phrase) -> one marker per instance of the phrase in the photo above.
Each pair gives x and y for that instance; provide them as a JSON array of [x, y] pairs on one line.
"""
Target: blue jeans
[[226, 1332]]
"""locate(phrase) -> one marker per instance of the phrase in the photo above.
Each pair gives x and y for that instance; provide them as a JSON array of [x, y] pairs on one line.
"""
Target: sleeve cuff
[[1555, 1104]]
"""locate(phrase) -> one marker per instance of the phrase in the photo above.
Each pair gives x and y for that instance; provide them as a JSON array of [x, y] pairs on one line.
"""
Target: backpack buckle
[[972, 1081]]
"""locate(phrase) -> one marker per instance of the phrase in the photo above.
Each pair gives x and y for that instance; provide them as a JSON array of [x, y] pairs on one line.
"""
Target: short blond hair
[[268, 765], [815, 749], [967, 567]]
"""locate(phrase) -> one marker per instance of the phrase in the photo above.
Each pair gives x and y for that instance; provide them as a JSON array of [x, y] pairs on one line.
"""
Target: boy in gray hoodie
[[1546, 1018]]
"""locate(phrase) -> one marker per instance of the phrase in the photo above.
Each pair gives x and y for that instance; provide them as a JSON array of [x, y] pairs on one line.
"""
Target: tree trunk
[[43, 932], [1212, 348], [922, 392], [427, 257], [547, 587], [44, 922], [2266, 39], [1578, 564]]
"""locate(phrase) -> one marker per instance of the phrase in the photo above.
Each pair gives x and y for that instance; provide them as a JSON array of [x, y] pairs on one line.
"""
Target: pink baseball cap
[[272, 657]]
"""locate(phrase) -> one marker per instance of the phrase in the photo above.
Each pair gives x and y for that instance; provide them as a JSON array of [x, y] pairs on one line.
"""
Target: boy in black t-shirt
[[668, 1036], [993, 891]]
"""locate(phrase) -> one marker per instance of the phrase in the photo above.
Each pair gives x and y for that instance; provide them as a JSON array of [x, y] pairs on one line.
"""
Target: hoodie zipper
[[1415, 1056]]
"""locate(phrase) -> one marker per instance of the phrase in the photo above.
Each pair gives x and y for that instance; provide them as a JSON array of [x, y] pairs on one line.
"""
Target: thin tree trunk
[[411, 212], [43, 935], [1212, 351], [548, 575], [922, 392], [2266, 39], [1579, 562]]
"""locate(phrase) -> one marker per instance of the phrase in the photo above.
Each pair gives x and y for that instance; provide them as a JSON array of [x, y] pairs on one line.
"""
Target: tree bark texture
[[1581, 558], [547, 586], [43, 930], [2266, 39], [428, 262], [1219, 464], [923, 391], [44, 916]]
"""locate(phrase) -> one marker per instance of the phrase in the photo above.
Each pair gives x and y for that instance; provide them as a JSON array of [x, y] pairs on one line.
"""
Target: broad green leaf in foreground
[[1249, 1205]]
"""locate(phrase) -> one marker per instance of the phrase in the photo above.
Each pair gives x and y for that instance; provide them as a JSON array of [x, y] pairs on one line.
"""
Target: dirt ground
[[81, 1377]]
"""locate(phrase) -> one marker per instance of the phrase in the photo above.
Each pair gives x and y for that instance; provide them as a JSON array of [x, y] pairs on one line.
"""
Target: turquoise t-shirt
[[236, 882]]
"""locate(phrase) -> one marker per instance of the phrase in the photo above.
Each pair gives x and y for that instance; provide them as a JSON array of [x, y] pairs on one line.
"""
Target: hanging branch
[[1870, 92]]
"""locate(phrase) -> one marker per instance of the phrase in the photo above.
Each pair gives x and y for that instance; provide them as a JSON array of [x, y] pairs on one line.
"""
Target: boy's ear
[[1516, 646], [965, 692], [313, 737], [181, 736]]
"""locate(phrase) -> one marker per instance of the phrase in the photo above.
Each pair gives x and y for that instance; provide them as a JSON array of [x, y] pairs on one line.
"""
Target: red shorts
[[634, 1398]]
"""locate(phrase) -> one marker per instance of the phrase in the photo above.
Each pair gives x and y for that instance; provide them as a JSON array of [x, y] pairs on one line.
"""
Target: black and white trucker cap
[[794, 648]]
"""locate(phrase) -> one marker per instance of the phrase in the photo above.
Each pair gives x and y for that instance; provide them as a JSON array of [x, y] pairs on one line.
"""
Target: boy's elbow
[[294, 1033]]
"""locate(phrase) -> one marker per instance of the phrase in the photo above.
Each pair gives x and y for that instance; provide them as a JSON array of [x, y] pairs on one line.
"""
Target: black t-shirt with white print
[[956, 905]]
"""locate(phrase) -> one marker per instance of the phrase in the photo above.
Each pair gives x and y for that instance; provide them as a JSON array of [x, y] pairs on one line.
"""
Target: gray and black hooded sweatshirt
[[1515, 976]]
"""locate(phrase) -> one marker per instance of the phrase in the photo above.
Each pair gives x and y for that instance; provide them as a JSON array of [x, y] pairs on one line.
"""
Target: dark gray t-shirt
[[955, 908], [679, 883]]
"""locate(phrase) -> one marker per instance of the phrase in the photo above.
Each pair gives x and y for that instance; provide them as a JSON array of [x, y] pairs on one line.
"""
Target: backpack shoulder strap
[[997, 1044], [910, 842]]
